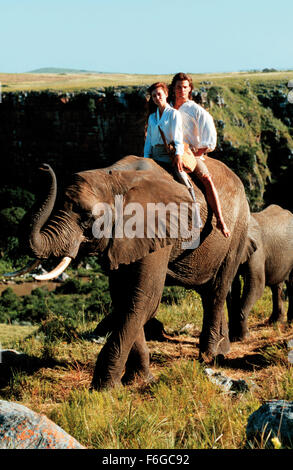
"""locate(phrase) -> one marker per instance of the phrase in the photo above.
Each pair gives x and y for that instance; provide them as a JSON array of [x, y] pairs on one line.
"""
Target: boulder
[[22, 428], [226, 383], [274, 419]]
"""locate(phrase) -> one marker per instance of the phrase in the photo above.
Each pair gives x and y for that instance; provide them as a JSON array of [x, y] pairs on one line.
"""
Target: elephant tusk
[[26, 269], [56, 271]]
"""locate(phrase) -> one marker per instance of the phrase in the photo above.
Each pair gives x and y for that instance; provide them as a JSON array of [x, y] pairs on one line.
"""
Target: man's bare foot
[[223, 227]]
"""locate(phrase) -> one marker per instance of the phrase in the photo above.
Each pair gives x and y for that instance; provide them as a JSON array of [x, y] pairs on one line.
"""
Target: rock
[[274, 419], [120, 96], [228, 384], [220, 124], [14, 358], [22, 428], [186, 329]]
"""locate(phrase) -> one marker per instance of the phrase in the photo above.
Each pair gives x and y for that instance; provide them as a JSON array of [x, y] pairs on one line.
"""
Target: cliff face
[[74, 132]]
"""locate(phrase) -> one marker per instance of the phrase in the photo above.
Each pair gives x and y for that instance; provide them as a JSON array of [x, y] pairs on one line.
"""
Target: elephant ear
[[253, 240], [147, 216]]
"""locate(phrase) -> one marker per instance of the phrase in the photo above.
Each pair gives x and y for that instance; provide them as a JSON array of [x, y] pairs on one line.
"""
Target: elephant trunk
[[59, 235], [37, 240]]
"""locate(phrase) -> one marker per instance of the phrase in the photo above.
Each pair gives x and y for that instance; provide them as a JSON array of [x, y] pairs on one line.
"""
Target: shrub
[[10, 306], [59, 328], [173, 295]]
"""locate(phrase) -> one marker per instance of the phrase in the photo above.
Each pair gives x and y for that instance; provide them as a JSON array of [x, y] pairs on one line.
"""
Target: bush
[[10, 306], [59, 328], [72, 286], [173, 295], [69, 301], [16, 197]]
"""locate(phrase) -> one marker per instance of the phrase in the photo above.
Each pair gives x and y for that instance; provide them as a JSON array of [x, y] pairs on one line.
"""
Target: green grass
[[182, 410], [12, 334]]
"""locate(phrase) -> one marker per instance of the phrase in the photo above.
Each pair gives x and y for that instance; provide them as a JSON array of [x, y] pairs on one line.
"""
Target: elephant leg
[[253, 287], [278, 309], [136, 291], [237, 323], [154, 329], [214, 340], [138, 361], [104, 327], [289, 285]]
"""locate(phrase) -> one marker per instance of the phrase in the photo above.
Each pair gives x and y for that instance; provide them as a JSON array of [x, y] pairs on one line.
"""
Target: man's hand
[[199, 152]]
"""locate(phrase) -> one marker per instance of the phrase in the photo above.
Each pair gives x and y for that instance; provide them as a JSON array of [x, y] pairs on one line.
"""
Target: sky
[[146, 36]]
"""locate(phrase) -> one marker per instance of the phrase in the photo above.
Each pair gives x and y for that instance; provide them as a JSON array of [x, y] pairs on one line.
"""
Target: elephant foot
[[129, 378], [275, 319], [241, 336], [208, 359], [100, 384], [212, 349]]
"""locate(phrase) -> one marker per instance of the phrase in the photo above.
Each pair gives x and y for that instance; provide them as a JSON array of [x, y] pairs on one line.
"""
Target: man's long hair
[[179, 77]]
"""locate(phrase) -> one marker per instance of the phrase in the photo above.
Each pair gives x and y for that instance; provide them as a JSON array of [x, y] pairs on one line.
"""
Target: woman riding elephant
[[162, 115]]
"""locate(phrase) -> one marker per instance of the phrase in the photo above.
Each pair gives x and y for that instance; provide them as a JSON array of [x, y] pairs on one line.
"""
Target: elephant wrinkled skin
[[270, 265], [138, 268]]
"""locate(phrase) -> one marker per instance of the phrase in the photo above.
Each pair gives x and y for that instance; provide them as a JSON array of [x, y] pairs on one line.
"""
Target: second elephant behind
[[270, 265]]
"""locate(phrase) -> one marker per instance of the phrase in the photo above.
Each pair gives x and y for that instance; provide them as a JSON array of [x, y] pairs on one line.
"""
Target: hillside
[[60, 70], [82, 81]]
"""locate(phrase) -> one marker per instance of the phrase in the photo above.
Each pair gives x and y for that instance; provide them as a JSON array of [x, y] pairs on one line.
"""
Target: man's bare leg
[[214, 202]]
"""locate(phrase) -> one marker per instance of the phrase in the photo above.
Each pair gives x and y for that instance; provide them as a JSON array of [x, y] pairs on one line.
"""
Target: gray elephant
[[139, 267], [269, 265]]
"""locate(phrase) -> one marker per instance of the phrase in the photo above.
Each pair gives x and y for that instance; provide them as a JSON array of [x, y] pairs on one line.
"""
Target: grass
[[12, 334], [77, 82], [182, 409]]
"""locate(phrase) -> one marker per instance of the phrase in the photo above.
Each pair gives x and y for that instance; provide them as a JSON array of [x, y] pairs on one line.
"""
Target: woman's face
[[159, 97], [182, 90]]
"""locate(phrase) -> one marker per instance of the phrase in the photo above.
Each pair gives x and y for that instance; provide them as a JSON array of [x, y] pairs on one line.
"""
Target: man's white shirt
[[198, 126]]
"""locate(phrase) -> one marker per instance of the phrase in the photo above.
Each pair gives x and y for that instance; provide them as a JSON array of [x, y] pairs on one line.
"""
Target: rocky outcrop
[[22, 428], [272, 420], [226, 383]]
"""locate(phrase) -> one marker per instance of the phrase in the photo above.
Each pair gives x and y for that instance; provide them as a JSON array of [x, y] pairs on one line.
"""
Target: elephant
[[269, 265], [138, 267]]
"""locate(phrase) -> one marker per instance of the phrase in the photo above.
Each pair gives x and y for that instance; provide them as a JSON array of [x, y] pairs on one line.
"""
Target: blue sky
[[146, 36]]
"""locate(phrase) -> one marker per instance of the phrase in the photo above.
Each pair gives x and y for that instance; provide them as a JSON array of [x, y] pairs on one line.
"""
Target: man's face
[[182, 90]]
